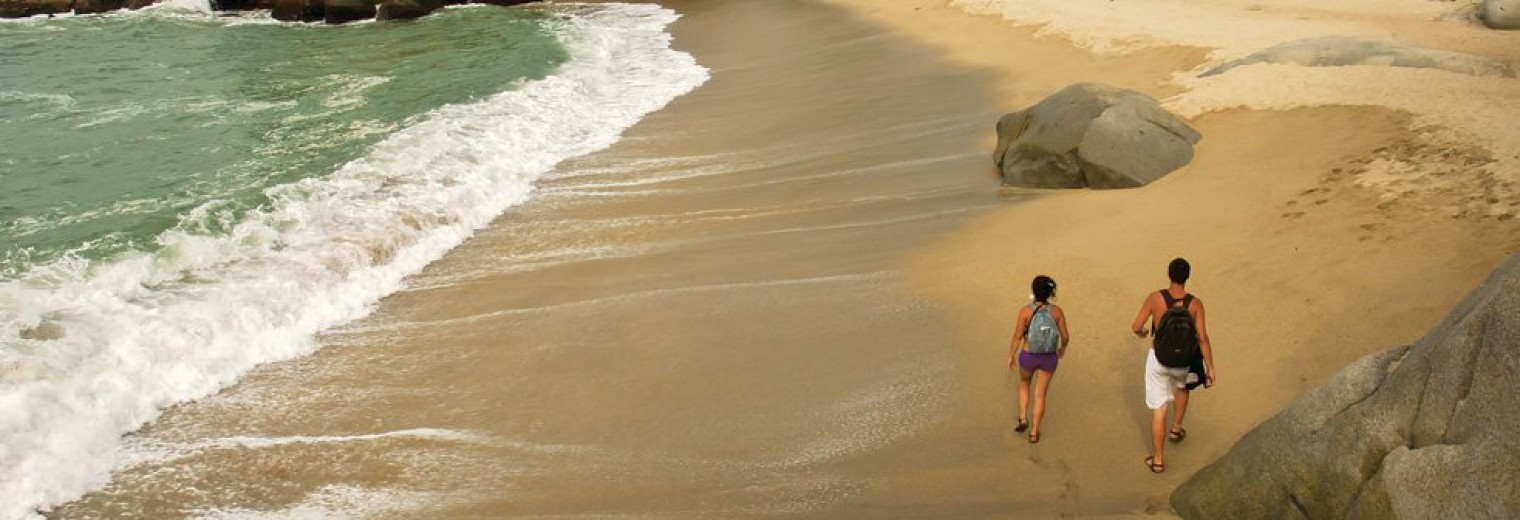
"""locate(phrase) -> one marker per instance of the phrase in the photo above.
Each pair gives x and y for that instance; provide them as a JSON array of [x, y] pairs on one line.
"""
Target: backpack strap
[[1187, 300]]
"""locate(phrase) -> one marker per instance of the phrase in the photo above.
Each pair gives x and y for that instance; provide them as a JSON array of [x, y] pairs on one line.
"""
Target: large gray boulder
[[1091, 136], [1334, 51], [1428, 431], [1500, 14]]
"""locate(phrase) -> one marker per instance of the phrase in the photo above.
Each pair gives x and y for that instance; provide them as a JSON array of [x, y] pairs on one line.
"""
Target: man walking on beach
[[1167, 365]]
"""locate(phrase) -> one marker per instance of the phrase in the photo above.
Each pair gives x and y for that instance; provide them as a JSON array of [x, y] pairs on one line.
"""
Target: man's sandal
[[1150, 462], [1177, 435]]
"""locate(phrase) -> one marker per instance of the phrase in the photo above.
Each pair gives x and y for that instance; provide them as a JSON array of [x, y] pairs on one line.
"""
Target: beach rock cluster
[[1423, 431], [25, 8], [329, 11], [1091, 136], [1500, 14], [1336, 51], [343, 11]]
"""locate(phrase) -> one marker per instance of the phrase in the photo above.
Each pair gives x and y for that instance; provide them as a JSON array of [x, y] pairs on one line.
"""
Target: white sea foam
[[157, 451], [89, 351], [339, 502], [183, 6]]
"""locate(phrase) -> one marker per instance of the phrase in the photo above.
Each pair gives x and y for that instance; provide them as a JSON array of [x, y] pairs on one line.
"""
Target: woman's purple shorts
[[1031, 361]]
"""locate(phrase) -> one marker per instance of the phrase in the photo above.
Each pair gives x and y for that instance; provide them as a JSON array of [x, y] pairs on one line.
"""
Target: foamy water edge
[[89, 352]]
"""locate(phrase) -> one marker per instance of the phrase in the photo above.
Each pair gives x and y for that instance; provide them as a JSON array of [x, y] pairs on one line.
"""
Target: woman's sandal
[[1034, 438], [1023, 425], [1177, 435], [1150, 462]]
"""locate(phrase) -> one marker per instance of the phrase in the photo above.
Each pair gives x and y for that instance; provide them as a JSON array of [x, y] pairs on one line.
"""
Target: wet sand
[[708, 319], [789, 293]]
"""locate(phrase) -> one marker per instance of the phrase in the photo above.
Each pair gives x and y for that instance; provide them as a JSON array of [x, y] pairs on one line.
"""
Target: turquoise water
[[184, 197], [117, 128]]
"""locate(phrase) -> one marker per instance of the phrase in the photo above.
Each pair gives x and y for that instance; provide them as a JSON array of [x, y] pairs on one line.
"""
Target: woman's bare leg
[[1041, 385], [1024, 377]]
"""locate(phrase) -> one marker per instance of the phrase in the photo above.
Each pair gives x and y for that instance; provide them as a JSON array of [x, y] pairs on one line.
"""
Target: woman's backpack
[[1043, 335]]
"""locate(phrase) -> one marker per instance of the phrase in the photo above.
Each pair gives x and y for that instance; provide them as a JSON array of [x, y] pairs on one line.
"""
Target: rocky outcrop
[[405, 9], [1341, 51], [1427, 431], [330, 11], [1091, 136], [241, 5], [344, 11], [297, 10], [25, 8], [97, 6], [1500, 14]]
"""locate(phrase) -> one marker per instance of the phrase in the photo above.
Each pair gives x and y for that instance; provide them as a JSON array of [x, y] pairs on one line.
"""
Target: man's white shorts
[[1161, 382]]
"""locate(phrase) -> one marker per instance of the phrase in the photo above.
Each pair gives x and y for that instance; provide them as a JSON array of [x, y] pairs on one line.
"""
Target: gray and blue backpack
[[1043, 335]]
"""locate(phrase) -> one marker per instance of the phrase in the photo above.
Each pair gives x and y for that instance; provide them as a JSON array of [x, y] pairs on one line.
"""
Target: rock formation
[[1094, 136], [330, 11], [1425, 431], [404, 9], [25, 8], [297, 10], [1500, 14], [344, 11]]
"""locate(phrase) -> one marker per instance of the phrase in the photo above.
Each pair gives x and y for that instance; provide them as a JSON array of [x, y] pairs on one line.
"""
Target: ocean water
[[186, 196]]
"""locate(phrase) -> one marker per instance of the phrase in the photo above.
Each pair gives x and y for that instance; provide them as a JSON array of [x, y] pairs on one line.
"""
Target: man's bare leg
[[1180, 401], [1158, 435]]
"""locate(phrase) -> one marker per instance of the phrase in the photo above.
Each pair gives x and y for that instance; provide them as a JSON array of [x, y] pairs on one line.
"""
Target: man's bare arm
[[1203, 340], [1145, 315]]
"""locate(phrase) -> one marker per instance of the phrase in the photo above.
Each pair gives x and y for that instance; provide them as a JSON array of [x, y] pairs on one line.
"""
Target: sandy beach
[[1330, 212], [789, 293]]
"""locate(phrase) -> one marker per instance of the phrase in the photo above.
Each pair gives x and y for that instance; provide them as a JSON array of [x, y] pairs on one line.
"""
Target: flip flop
[[1177, 435], [1150, 462], [1023, 425]]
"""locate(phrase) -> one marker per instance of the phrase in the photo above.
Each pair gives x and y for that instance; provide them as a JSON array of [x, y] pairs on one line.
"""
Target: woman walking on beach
[[1039, 343]]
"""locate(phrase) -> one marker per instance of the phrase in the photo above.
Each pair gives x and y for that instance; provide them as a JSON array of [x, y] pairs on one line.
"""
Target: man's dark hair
[[1043, 287], [1179, 270]]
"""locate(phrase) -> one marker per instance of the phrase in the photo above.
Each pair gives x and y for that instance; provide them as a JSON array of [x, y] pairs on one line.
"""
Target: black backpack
[[1177, 336]]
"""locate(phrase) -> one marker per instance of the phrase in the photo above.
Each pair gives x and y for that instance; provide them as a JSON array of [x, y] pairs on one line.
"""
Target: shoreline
[[787, 293]]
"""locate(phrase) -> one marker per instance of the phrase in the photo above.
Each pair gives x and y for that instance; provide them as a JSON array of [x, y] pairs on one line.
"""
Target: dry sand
[[1330, 212]]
